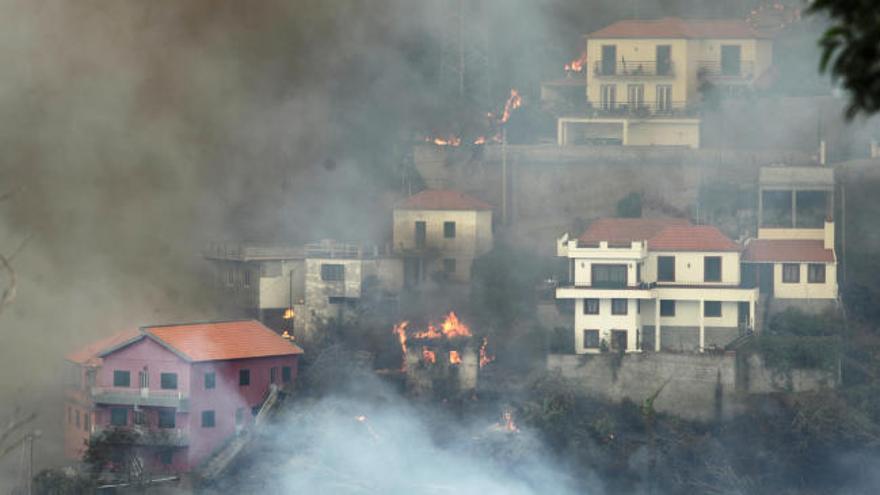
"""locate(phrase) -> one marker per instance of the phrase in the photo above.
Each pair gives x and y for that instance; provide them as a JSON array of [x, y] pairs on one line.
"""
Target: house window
[[273, 374], [591, 306], [791, 273], [666, 268], [421, 234], [449, 230], [166, 418], [166, 457], [731, 61], [664, 97], [712, 309], [207, 419], [230, 277], [609, 96], [667, 307], [449, 265], [286, 374], [816, 273], [635, 96], [619, 306], [712, 269], [210, 380], [664, 59], [591, 339], [118, 416], [138, 418], [247, 278], [244, 377], [608, 275], [332, 272], [87, 421], [121, 378], [169, 381]]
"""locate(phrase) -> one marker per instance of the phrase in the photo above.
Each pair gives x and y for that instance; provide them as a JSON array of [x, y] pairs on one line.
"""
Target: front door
[[618, 340], [664, 60], [730, 60]]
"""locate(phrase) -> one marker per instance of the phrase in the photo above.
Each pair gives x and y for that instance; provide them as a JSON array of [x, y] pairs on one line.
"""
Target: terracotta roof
[[225, 340], [667, 234], [782, 250], [438, 199], [89, 354], [674, 27]]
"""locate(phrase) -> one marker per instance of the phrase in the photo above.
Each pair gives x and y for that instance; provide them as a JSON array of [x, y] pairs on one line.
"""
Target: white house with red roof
[[438, 233], [793, 259], [655, 284], [174, 393], [644, 78]]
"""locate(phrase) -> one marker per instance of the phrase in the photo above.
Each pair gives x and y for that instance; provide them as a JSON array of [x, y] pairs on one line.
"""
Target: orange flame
[[577, 65], [513, 102], [451, 328], [454, 357], [485, 358], [289, 313], [428, 356], [400, 331]]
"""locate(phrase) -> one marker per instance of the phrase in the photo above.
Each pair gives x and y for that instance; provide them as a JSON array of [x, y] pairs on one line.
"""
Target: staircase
[[214, 466]]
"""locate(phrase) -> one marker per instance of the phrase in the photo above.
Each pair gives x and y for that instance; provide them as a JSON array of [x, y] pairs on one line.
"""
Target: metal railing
[[644, 109], [140, 435], [633, 68], [716, 70], [140, 397]]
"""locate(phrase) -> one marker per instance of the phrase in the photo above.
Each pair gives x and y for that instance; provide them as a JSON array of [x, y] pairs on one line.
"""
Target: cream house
[[793, 259], [644, 78], [655, 284], [438, 233]]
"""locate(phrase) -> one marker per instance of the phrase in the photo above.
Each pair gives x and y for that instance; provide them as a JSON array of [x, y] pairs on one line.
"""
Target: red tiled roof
[[674, 27], [438, 199], [668, 234], [223, 340], [90, 353], [782, 250]]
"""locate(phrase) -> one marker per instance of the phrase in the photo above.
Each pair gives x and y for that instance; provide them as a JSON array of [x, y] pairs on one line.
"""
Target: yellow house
[[644, 78]]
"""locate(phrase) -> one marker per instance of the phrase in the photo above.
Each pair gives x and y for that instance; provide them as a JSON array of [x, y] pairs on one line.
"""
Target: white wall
[[689, 267], [605, 322], [803, 289], [275, 283], [683, 132]]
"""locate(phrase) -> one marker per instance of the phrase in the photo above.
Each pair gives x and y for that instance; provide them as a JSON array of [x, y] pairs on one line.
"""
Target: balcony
[[140, 397], [674, 109], [139, 435], [633, 68], [714, 70]]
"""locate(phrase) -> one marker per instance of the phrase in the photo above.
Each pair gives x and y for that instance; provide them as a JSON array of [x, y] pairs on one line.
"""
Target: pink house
[[182, 390]]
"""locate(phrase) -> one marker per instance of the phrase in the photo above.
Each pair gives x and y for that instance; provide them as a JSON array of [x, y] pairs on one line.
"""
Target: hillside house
[[645, 78], [655, 284], [438, 233], [181, 391]]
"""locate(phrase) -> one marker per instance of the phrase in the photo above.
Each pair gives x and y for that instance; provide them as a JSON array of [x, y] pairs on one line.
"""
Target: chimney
[[829, 233]]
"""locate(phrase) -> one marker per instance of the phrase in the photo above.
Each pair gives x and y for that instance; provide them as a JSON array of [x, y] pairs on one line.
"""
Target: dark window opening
[[166, 418], [421, 234], [286, 374], [118, 416], [449, 230], [121, 378], [776, 209], [168, 381], [207, 419], [816, 273], [210, 380], [332, 272], [731, 61], [273, 374], [791, 273], [712, 269], [591, 339], [666, 268], [619, 306], [608, 275], [712, 309], [139, 418], [667, 308], [591, 306], [244, 377]]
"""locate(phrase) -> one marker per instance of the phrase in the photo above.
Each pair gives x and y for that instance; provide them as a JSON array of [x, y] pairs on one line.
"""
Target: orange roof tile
[[216, 341], [667, 234], [89, 354], [438, 199], [674, 27], [782, 250]]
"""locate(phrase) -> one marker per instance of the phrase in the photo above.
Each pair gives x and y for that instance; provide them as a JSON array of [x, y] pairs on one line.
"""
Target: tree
[[851, 50]]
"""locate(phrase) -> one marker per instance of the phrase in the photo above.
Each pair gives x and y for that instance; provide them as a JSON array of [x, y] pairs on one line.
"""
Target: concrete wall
[[275, 283], [700, 386], [666, 132]]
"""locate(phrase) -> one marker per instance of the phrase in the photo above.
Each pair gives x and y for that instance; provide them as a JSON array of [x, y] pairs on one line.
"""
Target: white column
[[625, 132], [752, 314], [657, 324], [702, 326]]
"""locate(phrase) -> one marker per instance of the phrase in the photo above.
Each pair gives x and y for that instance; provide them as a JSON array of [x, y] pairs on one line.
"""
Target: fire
[[485, 358], [445, 140], [514, 101], [400, 331], [451, 328], [454, 357], [428, 356], [577, 65], [289, 313]]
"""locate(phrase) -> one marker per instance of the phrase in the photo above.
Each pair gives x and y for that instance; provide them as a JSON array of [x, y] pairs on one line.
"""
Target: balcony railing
[[644, 110], [140, 397], [139, 435], [714, 69], [633, 68]]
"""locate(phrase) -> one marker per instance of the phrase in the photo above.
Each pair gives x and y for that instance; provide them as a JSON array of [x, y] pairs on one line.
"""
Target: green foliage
[[61, 482], [796, 323], [785, 353], [630, 206], [851, 50], [561, 341]]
